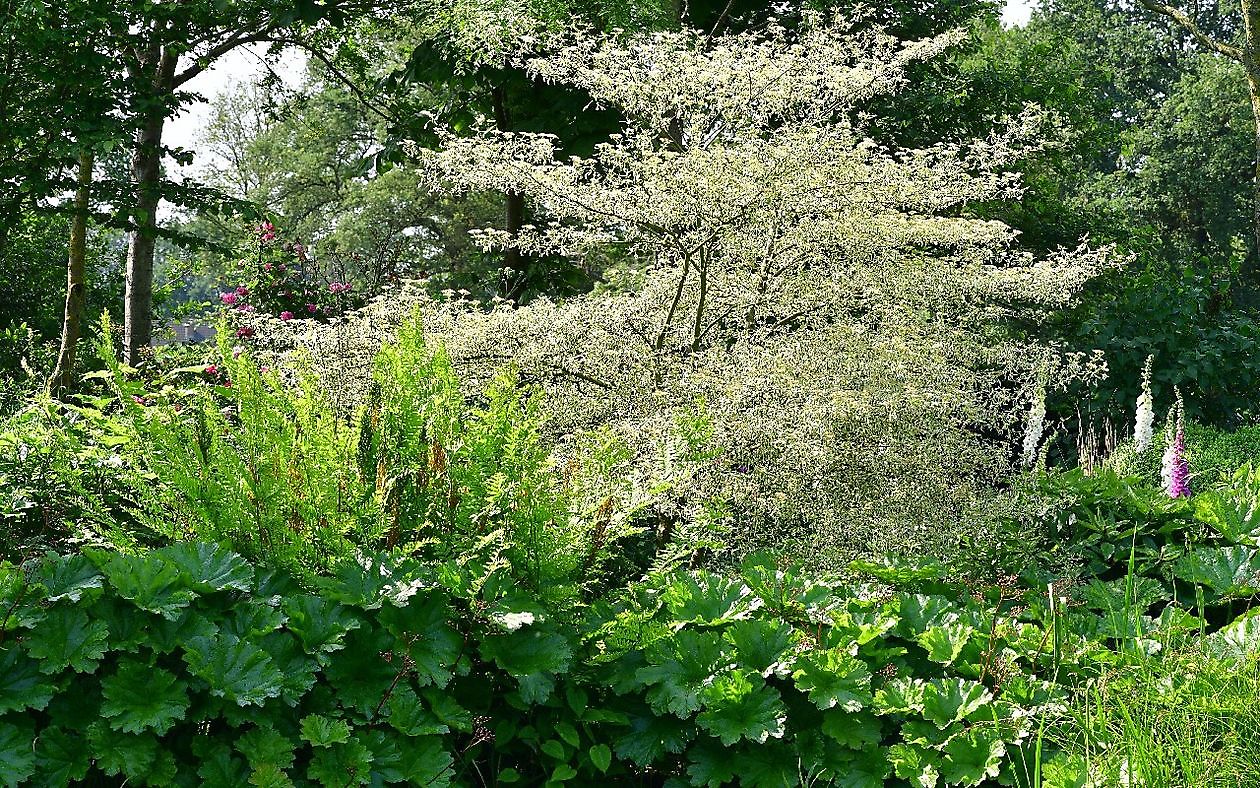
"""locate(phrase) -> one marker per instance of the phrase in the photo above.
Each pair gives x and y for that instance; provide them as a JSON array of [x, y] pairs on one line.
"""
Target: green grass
[[1182, 719]]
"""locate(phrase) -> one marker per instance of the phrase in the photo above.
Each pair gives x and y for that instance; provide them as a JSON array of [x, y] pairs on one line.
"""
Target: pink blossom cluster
[[280, 283], [218, 375], [1179, 467]]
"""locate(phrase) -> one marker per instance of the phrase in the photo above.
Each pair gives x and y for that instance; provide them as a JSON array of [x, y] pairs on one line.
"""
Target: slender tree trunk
[[515, 274], [146, 174], [515, 265], [62, 381], [1252, 270], [1250, 57], [1253, 82]]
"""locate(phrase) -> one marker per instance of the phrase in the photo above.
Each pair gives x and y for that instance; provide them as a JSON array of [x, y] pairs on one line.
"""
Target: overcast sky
[[245, 63], [1017, 12]]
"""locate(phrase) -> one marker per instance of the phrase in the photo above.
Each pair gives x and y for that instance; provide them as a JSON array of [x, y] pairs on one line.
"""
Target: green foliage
[[1214, 454], [311, 160], [25, 361], [428, 666], [1181, 314], [261, 460], [261, 463], [1187, 718], [1149, 570], [251, 679], [59, 477], [1154, 156]]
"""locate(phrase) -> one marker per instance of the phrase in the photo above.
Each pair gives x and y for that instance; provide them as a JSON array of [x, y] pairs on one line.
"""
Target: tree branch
[[215, 52], [1183, 19], [341, 77]]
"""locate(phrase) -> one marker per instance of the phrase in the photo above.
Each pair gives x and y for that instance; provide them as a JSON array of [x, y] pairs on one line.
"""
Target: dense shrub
[[59, 478], [846, 322], [280, 279], [25, 362], [502, 635], [890, 446], [1182, 314]]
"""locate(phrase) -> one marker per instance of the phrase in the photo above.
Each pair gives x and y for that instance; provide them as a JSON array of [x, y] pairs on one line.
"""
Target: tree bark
[[146, 171], [515, 274], [146, 174], [1251, 62], [515, 265], [62, 381], [1253, 260]]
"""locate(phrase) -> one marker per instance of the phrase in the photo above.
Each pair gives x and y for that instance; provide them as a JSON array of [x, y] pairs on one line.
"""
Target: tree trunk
[[1252, 270], [62, 381], [515, 274], [146, 173], [1250, 57]]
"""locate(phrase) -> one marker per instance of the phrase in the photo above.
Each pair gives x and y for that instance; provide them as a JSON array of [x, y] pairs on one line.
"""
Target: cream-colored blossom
[[1144, 425], [1035, 427]]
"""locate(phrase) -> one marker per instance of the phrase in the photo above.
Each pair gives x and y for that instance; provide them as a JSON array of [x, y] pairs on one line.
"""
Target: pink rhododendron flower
[[311, 308], [286, 316], [242, 290], [212, 370], [244, 331], [268, 231], [266, 266], [228, 298]]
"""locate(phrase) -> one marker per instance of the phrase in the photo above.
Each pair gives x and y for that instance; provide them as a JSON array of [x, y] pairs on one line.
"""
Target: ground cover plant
[[788, 433], [190, 665]]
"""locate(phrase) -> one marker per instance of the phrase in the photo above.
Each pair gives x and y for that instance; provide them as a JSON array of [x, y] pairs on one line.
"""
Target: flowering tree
[[822, 302]]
